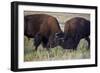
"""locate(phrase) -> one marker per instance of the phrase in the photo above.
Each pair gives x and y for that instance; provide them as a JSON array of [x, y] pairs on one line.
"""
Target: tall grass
[[57, 53]]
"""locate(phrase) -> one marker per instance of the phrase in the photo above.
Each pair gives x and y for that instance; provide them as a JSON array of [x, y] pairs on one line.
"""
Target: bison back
[[77, 26], [41, 23]]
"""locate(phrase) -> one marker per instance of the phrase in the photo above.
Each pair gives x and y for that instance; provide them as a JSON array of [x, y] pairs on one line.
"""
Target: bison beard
[[42, 28]]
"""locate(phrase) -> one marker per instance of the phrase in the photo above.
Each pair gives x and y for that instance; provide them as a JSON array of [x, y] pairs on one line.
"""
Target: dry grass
[[57, 53]]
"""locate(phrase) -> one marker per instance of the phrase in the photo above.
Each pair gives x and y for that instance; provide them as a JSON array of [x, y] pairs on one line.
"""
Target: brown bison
[[42, 28], [75, 29]]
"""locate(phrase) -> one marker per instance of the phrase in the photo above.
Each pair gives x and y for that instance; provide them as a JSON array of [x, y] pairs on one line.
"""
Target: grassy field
[[56, 53]]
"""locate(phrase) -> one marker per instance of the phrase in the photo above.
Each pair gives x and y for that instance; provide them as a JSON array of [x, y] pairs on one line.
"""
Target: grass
[[57, 53]]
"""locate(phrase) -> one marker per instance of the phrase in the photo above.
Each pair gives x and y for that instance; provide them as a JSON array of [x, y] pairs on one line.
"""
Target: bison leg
[[76, 40], [37, 40], [88, 40], [45, 41], [51, 43]]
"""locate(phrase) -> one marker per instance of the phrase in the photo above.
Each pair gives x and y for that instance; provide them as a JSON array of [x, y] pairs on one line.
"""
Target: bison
[[42, 28], [74, 30]]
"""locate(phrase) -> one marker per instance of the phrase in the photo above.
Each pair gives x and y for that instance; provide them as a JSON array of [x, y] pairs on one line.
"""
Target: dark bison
[[74, 30], [42, 28]]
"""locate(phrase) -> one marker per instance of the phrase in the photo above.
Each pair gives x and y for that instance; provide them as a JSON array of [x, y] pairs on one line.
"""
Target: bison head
[[59, 39], [65, 41]]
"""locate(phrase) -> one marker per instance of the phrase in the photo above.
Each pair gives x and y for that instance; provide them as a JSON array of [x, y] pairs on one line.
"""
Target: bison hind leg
[[88, 40]]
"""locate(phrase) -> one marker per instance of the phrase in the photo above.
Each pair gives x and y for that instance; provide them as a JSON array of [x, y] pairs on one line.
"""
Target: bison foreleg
[[37, 40], [51, 43]]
